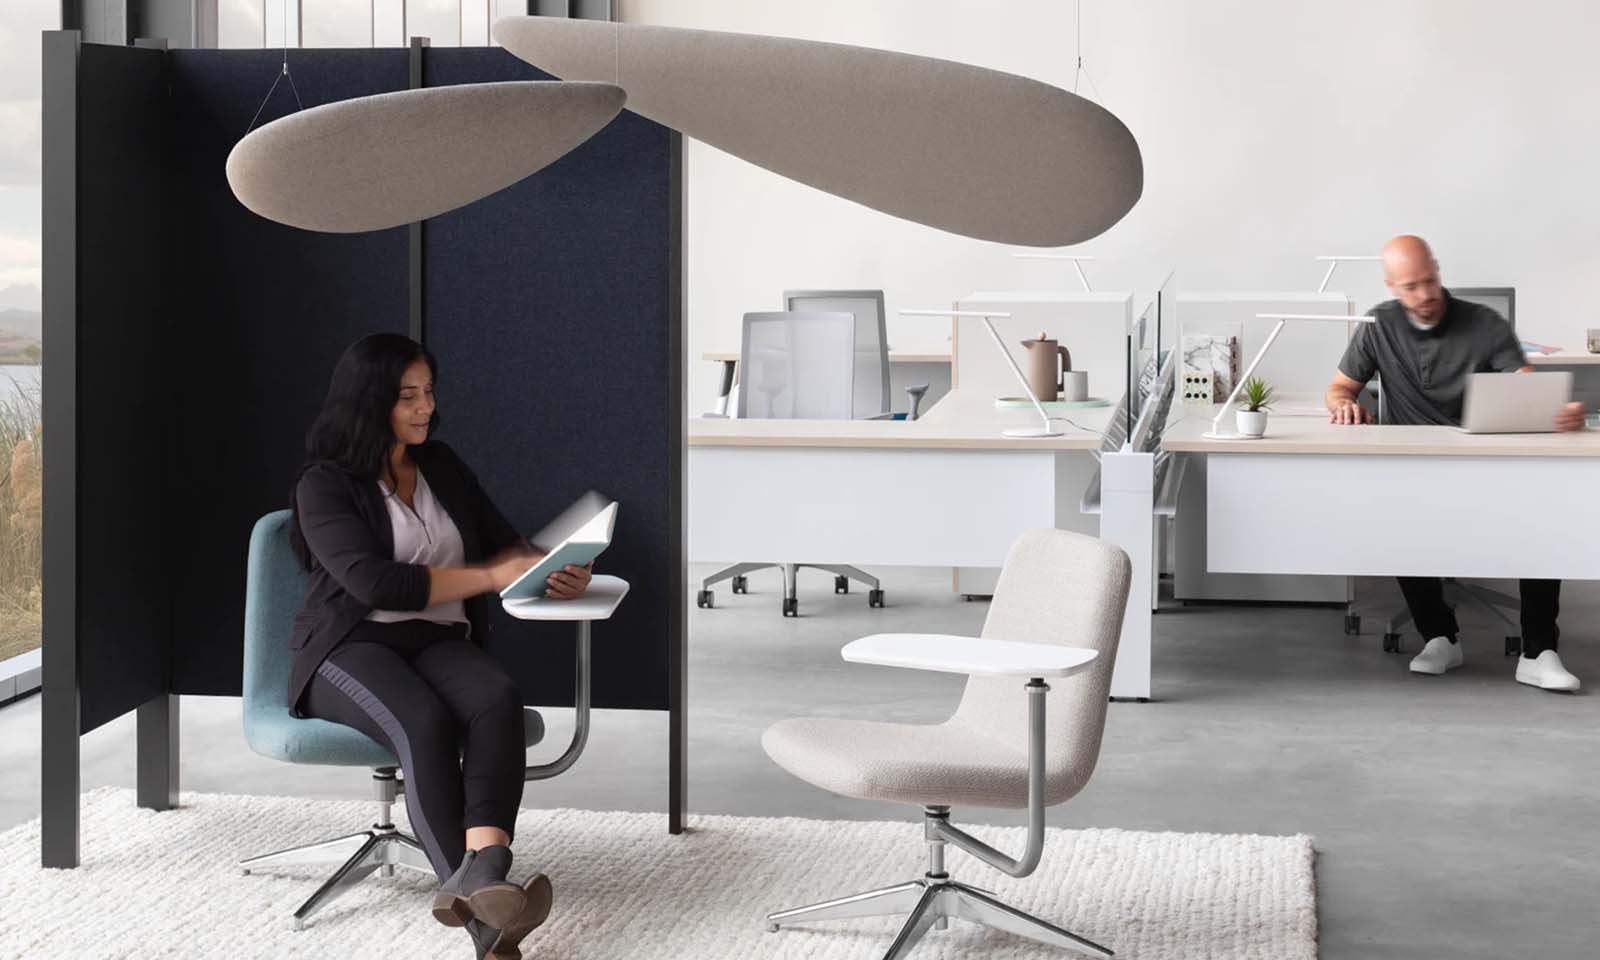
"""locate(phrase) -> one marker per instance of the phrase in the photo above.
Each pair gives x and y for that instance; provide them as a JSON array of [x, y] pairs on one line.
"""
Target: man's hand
[[1349, 412], [570, 582], [1571, 417]]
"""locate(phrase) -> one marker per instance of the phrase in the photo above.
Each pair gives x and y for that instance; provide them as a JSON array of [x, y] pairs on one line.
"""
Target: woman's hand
[[570, 582], [507, 565]]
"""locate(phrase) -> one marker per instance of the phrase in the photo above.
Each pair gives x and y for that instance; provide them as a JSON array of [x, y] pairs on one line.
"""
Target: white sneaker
[[1437, 657], [1545, 672]]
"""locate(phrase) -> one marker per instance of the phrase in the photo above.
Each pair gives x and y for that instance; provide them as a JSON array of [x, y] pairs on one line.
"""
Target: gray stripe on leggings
[[368, 701]]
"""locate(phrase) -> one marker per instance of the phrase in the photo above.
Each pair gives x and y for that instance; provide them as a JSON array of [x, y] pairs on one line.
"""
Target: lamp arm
[[1081, 278], [989, 324], [1228, 403], [1323, 286], [940, 829]]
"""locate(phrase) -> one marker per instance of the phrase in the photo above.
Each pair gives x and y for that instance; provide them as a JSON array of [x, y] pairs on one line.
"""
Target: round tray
[[1057, 404]]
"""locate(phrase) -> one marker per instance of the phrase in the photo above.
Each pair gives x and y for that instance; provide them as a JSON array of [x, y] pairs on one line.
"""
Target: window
[[359, 23], [21, 325]]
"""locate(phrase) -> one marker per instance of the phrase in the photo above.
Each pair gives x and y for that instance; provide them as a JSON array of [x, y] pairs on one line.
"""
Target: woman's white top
[[427, 536]]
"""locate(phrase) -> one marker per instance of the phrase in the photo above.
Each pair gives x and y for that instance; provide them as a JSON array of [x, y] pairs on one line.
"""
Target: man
[[1424, 345]]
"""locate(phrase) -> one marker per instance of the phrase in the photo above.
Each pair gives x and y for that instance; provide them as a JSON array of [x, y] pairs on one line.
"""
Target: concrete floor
[[1454, 816]]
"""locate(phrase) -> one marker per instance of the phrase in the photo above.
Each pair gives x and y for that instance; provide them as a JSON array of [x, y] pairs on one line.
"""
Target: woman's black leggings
[[449, 712]]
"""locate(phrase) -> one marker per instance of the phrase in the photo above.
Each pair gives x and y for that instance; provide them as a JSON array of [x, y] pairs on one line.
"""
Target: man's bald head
[[1413, 277]]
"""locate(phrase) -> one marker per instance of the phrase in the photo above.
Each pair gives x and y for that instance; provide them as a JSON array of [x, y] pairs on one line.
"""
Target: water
[[19, 377]]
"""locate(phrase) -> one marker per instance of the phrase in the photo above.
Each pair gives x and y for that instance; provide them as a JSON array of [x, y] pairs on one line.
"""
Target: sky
[[20, 24]]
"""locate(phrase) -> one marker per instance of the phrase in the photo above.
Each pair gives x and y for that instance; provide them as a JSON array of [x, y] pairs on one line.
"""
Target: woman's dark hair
[[354, 429]]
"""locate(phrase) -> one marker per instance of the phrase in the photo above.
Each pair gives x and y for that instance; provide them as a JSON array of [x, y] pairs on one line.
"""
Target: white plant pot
[[1251, 424]]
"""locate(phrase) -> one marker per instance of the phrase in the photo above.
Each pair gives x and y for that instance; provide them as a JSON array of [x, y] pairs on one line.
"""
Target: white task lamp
[[1333, 264], [1027, 433], [1216, 432], [1072, 258]]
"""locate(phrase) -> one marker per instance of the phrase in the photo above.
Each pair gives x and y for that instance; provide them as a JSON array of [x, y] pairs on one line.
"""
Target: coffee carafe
[[1047, 362]]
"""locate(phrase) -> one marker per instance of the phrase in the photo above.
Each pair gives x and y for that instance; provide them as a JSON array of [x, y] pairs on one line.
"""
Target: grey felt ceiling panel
[[973, 151], [380, 161]]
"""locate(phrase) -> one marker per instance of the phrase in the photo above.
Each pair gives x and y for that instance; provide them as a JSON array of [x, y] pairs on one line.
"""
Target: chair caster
[[875, 598], [244, 871], [298, 925], [1391, 643], [1513, 646], [741, 584], [841, 584], [772, 928], [791, 608], [705, 600], [1352, 625]]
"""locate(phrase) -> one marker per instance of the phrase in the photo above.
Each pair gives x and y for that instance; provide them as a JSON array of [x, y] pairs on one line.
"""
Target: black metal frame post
[[59, 747], [416, 233], [156, 725], [677, 430], [156, 721]]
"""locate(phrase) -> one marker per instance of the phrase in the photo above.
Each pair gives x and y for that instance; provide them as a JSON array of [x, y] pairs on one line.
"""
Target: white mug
[[1075, 385]]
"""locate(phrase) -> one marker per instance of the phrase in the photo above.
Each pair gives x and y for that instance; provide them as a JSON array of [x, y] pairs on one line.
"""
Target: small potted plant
[[1255, 400]]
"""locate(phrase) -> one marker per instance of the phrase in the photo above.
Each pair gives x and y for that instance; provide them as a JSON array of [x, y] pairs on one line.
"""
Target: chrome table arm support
[[580, 703], [940, 829]]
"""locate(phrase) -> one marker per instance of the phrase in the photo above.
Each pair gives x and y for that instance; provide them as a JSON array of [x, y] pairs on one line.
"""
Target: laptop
[[1515, 402]]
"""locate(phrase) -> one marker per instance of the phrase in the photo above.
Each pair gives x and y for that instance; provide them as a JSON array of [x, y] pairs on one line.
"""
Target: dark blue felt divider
[[548, 307], [120, 414], [255, 316]]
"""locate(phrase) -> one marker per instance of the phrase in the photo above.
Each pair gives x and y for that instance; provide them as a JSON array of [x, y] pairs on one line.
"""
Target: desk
[[1566, 358], [1314, 497], [944, 490]]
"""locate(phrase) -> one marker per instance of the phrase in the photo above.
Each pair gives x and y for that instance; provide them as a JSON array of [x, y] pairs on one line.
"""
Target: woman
[[402, 546]]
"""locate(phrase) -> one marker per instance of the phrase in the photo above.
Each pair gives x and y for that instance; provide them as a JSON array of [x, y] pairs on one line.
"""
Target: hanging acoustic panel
[[381, 161], [973, 151]]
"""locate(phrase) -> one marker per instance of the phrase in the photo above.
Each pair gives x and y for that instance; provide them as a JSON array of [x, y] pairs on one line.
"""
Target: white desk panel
[[863, 505], [1403, 515], [1092, 326]]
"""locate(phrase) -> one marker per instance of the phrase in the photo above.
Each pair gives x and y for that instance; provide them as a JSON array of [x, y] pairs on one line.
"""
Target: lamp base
[[1032, 433]]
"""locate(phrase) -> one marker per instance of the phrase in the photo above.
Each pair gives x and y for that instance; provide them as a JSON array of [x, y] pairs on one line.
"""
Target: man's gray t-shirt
[[1425, 371]]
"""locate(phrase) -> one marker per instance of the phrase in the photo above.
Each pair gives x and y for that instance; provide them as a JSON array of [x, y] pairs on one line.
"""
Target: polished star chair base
[[930, 904], [382, 847]]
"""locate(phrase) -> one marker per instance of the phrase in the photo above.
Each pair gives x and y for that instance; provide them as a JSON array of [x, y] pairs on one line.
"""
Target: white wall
[[1271, 131]]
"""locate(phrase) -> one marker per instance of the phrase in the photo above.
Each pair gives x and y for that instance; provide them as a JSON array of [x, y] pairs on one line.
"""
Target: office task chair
[[274, 587], [997, 750], [871, 391], [1503, 300], [914, 395], [800, 364]]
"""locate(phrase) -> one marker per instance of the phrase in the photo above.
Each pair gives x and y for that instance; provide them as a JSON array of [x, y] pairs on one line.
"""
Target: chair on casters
[[1056, 588], [810, 362], [1455, 592], [274, 586]]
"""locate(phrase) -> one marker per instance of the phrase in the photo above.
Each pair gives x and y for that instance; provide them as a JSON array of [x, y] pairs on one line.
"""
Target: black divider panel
[[547, 307], [255, 316], [123, 617]]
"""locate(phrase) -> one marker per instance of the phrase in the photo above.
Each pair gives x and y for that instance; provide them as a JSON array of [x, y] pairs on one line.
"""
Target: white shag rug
[[167, 885]]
